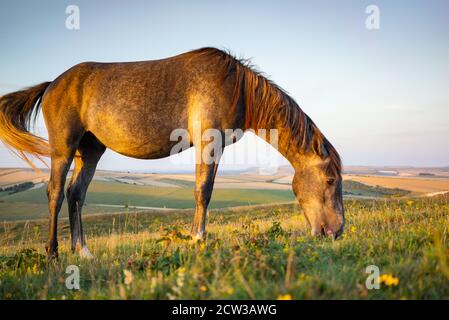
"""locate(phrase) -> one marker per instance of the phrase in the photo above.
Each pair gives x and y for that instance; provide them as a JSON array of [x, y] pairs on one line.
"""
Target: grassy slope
[[247, 255]]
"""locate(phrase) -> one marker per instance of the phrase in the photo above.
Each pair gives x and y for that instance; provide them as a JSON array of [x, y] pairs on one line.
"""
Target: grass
[[258, 252]]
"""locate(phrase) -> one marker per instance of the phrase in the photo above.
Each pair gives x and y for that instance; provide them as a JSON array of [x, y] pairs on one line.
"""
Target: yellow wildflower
[[182, 270], [353, 229], [285, 297], [203, 288], [230, 291], [389, 280]]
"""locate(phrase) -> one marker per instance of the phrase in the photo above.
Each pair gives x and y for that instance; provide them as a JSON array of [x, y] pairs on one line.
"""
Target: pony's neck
[[293, 128], [267, 107], [284, 141], [299, 140]]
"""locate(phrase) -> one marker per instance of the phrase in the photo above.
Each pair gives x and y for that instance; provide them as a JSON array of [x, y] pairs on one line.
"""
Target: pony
[[132, 108]]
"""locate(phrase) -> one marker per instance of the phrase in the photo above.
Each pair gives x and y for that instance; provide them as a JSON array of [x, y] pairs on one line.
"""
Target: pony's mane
[[265, 100]]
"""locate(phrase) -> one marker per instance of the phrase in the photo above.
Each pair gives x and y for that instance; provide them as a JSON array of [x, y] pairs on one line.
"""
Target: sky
[[379, 95]]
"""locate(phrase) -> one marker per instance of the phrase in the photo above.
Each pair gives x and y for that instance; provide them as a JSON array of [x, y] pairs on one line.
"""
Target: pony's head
[[317, 184]]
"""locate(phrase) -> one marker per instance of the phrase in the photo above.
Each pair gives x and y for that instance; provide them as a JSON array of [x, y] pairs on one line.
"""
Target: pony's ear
[[316, 146], [324, 152], [326, 161], [319, 148], [325, 165]]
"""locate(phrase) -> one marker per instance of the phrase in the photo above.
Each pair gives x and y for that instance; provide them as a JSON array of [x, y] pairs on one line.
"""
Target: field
[[261, 252], [417, 185], [110, 196], [257, 251]]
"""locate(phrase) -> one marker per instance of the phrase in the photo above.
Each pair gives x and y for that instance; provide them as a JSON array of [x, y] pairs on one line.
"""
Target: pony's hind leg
[[90, 151], [60, 164]]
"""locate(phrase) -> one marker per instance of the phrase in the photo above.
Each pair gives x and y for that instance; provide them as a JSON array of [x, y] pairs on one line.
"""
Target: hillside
[[256, 252]]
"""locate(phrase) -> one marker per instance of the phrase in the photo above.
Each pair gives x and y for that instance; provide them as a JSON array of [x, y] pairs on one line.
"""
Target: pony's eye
[[330, 181]]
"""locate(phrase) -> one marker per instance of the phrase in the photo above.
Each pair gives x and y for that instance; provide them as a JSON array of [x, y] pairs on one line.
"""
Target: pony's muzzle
[[334, 233], [325, 231]]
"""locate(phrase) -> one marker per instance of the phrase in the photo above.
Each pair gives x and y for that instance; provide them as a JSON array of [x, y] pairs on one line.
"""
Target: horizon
[[234, 170]]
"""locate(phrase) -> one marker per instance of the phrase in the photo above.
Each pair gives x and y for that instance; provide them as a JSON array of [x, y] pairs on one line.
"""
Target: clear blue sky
[[380, 96]]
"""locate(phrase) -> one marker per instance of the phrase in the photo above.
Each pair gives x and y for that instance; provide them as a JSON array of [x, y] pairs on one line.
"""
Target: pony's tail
[[18, 110]]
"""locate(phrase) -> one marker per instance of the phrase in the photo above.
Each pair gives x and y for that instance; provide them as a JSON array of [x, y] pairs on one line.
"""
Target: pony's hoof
[[85, 253], [198, 237], [52, 253], [52, 257]]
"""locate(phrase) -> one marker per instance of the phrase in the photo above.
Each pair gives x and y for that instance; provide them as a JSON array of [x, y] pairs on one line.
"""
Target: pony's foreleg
[[85, 165], [59, 167], [204, 184]]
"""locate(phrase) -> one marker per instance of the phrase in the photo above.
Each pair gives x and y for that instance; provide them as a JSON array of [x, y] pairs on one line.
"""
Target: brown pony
[[133, 107]]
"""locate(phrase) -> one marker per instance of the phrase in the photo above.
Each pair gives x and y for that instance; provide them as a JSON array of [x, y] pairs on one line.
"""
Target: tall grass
[[254, 253]]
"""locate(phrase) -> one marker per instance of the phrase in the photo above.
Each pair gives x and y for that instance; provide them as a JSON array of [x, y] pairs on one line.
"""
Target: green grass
[[249, 253]]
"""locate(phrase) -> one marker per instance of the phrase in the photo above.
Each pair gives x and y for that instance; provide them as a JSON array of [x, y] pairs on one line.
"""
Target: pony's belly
[[142, 145], [144, 154], [144, 135], [139, 149]]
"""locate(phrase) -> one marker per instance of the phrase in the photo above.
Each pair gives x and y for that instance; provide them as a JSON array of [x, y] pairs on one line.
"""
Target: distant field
[[414, 184], [105, 196], [355, 188], [32, 204]]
